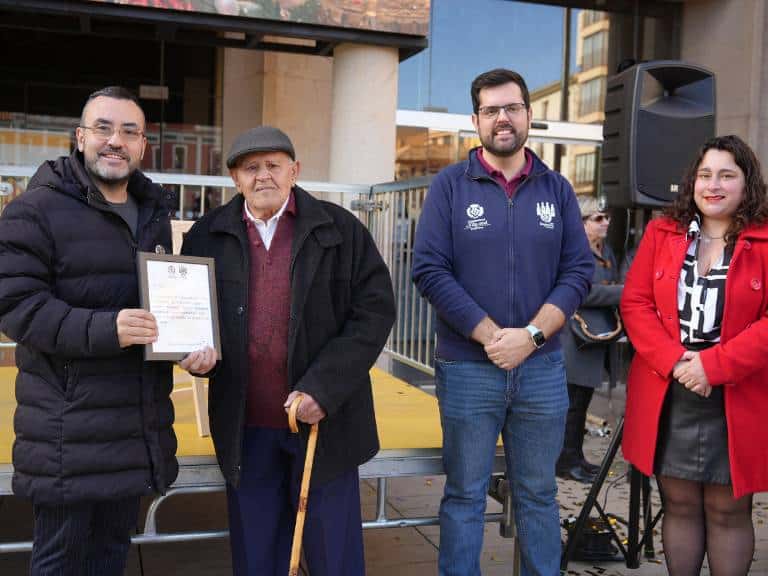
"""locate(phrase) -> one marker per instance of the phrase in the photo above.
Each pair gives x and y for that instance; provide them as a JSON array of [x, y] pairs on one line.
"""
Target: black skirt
[[693, 436]]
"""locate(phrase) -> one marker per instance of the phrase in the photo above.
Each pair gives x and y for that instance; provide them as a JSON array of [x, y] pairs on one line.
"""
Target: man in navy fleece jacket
[[501, 254]]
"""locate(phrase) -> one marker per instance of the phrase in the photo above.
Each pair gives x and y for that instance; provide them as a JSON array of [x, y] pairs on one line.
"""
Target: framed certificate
[[180, 291]]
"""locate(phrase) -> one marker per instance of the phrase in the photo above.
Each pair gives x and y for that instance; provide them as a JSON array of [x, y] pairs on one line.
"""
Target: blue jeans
[[527, 406]]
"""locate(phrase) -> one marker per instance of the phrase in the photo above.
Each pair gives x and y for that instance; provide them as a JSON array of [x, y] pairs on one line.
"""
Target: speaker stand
[[639, 498]]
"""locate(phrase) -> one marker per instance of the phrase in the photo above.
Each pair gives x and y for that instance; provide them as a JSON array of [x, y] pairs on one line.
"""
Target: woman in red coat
[[694, 306]]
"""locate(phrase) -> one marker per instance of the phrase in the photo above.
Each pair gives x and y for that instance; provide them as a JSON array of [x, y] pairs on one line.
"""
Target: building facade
[[333, 74]]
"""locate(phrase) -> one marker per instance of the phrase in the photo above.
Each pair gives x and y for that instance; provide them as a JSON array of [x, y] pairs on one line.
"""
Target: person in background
[[586, 340], [626, 263], [694, 307]]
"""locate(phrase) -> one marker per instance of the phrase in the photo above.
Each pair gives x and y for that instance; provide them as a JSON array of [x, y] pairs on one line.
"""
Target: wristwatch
[[536, 335]]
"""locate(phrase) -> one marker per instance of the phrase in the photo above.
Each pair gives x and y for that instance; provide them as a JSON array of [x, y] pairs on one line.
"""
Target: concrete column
[[242, 80], [363, 114], [728, 37], [297, 99]]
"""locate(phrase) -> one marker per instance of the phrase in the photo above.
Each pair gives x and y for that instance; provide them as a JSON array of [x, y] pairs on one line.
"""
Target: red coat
[[739, 362]]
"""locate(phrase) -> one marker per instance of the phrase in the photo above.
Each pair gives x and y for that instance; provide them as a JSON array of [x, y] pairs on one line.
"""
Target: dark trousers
[[579, 398], [83, 539], [262, 512]]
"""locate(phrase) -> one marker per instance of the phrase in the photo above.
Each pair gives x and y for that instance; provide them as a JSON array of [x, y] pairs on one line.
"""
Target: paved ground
[[409, 552], [389, 552]]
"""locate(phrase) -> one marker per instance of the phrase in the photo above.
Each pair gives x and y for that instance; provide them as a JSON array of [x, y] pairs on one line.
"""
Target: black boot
[[579, 474], [569, 464], [569, 456], [589, 467]]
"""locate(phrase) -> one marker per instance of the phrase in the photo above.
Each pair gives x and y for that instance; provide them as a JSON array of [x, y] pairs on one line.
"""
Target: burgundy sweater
[[269, 305]]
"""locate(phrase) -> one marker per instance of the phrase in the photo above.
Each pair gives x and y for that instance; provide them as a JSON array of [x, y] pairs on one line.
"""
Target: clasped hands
[[509, 347], [689, 371]]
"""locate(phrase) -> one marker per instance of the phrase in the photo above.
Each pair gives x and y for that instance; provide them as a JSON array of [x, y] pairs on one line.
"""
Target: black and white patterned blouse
[[701, 299]]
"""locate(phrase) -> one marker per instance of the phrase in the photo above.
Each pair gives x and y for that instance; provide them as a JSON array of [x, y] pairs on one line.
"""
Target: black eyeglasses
[[491, 112], [105, 132], [599, 218]]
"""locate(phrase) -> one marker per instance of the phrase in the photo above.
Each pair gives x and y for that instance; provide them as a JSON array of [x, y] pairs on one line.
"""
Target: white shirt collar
[[275, 217], [694, 228]]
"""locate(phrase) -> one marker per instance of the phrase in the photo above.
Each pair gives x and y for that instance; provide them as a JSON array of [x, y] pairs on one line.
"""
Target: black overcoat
[[586, 365], [342, 309]]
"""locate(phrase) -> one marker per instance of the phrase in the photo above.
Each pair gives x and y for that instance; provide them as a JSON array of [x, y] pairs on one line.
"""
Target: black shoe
[[576, 473], [563, 468], [589, 467]]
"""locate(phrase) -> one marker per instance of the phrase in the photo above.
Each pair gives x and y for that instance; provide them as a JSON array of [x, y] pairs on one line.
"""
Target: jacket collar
[[310, 215], [669, 225], [67, 174], [139, 186], [754, 232], [476, 171], [230, 217]]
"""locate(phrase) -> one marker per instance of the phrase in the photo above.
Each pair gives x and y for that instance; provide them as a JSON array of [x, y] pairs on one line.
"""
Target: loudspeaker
[[657, 115]]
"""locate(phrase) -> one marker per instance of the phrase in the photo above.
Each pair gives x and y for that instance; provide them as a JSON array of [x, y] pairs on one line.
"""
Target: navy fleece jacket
[[478, 253]]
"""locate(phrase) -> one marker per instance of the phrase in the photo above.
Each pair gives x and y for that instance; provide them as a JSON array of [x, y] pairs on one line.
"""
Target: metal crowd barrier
[[390, 211], [206, 192], [201, 475]]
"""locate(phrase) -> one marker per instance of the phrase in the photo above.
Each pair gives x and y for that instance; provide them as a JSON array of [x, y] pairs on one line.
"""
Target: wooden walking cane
[[293, 569]]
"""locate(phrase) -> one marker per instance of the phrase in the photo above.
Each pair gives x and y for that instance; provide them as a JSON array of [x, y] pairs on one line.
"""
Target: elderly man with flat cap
[[306, 305]]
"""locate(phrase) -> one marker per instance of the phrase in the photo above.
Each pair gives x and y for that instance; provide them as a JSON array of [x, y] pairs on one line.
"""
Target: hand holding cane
[[301, 513]]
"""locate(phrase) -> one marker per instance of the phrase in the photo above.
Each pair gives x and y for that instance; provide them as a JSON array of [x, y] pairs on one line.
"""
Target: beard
[[506, 149], [100, 172]]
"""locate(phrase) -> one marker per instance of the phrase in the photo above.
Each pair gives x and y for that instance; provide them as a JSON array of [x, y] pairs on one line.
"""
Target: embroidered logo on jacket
[[476, 221], [546, 213]]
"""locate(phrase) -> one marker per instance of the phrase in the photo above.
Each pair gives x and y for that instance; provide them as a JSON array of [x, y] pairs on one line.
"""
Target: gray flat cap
[[260, 139]]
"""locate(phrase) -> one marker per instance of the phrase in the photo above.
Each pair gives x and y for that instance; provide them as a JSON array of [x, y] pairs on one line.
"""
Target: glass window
[[40, 103], [423, 151], [585, 168], [411, 152], [179, 158], [592, 95], [595, 50], [467, 141], [439, 78], [581, 167], [592, 16]]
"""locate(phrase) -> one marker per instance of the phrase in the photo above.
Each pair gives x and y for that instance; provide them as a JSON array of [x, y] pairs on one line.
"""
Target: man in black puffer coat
[[94, 421]]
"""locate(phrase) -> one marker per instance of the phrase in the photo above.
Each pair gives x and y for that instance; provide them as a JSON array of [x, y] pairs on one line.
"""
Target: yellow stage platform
[[407, 417], [409, 431], [7, 406]]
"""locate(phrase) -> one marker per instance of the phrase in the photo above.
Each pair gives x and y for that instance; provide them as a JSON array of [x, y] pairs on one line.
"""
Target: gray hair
[[588, 205]]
